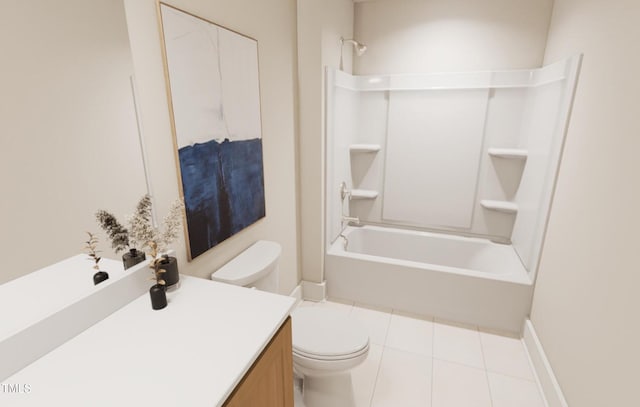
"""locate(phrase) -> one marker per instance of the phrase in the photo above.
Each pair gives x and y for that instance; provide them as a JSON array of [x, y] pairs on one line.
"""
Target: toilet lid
[[326, 333]]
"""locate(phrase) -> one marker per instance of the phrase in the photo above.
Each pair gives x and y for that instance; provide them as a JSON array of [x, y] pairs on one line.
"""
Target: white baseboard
[[314, 291], [547, 379], [297, 293]]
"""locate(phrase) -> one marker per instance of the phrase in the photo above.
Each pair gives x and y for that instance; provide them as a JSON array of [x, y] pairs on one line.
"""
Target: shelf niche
[[364, 148], [500, 206], [363, 194], [512, 153]]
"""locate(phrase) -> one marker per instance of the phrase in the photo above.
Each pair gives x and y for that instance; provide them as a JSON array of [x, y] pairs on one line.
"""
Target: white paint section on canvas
[[214, 86]]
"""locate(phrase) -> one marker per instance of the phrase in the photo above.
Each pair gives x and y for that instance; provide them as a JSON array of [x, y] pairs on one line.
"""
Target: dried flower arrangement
[[156, 240], [91, 248], [143, 231], [117, 233], [155, 264], [120, 238]]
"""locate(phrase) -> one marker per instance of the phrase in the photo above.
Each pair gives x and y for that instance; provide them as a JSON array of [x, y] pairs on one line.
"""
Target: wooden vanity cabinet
[[269, 382]]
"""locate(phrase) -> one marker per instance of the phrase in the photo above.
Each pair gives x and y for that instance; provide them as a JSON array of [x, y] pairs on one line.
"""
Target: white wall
[[69, 139], [405, 36], [320, 26], [585, 307], [273, 24]]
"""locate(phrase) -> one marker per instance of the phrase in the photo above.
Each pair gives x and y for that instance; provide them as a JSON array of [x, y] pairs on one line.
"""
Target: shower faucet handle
[[344, 191]]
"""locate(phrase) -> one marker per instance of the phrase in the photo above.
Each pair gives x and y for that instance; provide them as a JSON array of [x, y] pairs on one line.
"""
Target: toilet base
[[334, 390]]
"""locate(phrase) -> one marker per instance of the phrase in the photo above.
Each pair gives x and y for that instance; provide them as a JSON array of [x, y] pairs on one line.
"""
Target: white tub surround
[[192, 353], [47, 307], [463, 279], [466, 153], [472, 153]]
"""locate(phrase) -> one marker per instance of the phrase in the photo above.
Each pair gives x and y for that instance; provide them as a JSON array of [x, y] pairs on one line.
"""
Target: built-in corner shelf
[[364, 148], [363, 194], [514, 153], [499, 206]]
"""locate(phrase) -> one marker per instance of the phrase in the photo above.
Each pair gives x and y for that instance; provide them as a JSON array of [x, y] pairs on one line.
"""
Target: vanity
[[213, 345], [64, 342]]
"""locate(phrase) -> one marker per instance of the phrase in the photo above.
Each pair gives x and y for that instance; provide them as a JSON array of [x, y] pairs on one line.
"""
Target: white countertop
[[46, 291], [192, 353]]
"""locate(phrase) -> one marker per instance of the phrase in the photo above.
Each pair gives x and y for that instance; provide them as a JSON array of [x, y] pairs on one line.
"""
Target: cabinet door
[[269, 382]]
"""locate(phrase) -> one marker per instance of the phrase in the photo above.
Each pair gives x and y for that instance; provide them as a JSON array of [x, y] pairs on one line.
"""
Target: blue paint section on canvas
[[223, 186]]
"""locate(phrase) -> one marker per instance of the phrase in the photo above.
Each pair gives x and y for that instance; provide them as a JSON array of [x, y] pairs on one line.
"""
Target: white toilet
[[326, 343]]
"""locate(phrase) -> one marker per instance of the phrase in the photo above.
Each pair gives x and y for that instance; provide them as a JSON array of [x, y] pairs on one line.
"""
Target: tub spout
[[349, 219], [345, 242]]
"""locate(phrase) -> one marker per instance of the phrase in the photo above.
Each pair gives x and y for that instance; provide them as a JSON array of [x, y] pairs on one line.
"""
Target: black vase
[[99, 277], [171, 275], [158, 296], [133, 257]]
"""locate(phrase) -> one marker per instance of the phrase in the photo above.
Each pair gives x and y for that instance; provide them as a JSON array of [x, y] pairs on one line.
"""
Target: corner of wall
[[320, 26]]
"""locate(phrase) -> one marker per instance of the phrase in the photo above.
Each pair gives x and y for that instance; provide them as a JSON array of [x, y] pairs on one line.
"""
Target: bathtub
[[462, 279]]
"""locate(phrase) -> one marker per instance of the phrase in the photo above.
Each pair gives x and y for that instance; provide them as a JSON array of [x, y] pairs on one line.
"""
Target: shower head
[[358, 47]]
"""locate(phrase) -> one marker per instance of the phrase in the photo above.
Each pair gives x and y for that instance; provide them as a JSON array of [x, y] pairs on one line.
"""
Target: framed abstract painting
[[214, 99]]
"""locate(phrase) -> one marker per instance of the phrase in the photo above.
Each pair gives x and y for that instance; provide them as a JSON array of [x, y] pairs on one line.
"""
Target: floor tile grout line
[[430, 319], [458, 364], [439, 359], [384, 347], [433, 368], [484, 359], [386, 333], [511, 376], [409, 351], [469, 367], [375, 381], [484, 362]]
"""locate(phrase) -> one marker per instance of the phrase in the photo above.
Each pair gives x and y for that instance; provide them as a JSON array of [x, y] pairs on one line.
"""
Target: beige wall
[[405, 36], [586, 303], [273, 24], [69, 139], [320, 26]]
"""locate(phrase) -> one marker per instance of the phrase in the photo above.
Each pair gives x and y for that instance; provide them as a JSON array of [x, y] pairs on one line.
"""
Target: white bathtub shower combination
[[463, 279], [423, 159]]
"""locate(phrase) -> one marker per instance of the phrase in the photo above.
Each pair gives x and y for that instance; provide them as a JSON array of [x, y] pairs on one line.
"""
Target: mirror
[[70, 140]]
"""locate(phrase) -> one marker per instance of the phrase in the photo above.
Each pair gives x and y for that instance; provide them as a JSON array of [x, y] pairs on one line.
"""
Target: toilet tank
[[256, 267]]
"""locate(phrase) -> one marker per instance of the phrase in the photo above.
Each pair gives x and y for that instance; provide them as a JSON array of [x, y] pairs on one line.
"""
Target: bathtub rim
[[518, 277]]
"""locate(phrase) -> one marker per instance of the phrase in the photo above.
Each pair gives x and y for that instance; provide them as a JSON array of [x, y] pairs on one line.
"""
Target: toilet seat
[[318, 367], [331, 358], [322, 334]]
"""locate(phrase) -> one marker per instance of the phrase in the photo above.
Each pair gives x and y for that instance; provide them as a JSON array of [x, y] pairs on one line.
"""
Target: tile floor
[[422, 362]]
